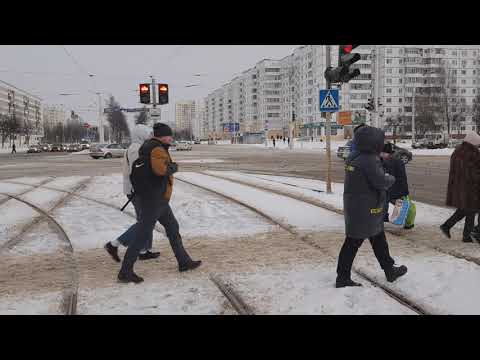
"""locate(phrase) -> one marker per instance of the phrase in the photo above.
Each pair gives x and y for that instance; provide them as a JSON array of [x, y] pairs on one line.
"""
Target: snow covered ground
[[273, 283]]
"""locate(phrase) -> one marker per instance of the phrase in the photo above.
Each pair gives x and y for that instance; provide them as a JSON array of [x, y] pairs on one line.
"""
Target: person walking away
[[14, 149], [152, 180], [140, 133], [399, 189], [273, 142], [288, 141], [463, 185], [363, 201], [284, 140]]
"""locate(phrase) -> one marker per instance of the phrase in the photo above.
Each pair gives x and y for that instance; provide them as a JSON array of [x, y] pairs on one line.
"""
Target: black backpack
[[144, 180]]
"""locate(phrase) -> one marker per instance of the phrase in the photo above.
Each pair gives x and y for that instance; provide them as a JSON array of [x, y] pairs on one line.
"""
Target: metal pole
[[154, 95], [100, 120], [328, 129], [413, 115]]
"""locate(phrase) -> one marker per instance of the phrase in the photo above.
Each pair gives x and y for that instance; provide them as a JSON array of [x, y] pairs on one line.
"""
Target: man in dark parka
[[364, 199]]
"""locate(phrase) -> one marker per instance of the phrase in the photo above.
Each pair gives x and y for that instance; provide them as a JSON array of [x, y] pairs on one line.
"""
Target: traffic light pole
[[328, 128]]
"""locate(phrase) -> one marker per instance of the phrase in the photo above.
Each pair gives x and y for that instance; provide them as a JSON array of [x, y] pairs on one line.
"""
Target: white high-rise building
[[26, 107], [54, 115], [184, 114]]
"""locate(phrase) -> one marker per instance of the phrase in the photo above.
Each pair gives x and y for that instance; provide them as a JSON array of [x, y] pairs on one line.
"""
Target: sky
[[49, 70]]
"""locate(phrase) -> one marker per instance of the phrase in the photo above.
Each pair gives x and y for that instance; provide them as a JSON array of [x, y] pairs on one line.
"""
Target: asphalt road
[[427, 175]]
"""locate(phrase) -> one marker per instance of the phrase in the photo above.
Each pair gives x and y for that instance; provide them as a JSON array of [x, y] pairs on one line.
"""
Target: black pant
[[350, 248], [149, 212], [14, 151], [458, 215]]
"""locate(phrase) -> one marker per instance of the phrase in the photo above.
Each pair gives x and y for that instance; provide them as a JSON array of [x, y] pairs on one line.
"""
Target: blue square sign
[[329, 100]]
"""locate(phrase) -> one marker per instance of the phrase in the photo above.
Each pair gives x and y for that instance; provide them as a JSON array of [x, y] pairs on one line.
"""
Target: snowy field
[[274, 272]]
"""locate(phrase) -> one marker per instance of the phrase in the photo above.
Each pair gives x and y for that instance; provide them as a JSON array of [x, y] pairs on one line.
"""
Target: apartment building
[[407, 72], [26, 107], [184, 114], [54, 115]]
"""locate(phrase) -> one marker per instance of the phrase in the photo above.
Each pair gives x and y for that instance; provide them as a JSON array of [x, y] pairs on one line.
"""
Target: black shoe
[[395, 272], [113, 251], [340, 283], [445, 231], [409, 227], [190, 265], [475, 236], [148, 255], [129, 277], [467, 239]]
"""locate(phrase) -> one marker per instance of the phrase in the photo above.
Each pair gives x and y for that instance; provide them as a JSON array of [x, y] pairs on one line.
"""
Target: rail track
[[418, 309]]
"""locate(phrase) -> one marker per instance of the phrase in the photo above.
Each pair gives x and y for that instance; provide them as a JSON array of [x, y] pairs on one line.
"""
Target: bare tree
[[426, 115], [117, 121]]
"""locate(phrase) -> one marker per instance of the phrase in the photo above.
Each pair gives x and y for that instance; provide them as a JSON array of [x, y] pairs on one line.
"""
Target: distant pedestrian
[[463, 185], [152, 180], [288, 141], [274, 142], [14, 149], [399, 189], [140, 134], [284, 139], [364, 199]]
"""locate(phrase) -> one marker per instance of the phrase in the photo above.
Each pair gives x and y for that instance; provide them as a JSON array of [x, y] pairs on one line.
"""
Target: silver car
[[106, 151]]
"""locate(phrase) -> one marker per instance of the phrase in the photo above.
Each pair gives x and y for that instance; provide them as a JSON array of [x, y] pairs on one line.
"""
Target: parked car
[[34, 149], [453, 143], [85, 144], [106, 151], [74, 147], [402, 154], [344, 151], [197, 142], [56, 148], [183, 146], [45, 147]]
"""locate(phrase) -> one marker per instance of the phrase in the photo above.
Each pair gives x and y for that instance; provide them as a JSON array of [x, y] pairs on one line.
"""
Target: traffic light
[[145, 93], [343, 73], [163, 94], [370, 106]]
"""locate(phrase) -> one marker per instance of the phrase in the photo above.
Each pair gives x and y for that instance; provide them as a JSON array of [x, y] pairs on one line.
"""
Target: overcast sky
[[49, 70]]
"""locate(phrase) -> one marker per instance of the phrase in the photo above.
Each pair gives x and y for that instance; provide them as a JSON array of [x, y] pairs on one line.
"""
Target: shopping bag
[[412, 212], [400, 212]]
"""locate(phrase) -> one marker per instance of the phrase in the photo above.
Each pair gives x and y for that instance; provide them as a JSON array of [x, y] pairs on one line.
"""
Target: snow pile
[[31, 304]]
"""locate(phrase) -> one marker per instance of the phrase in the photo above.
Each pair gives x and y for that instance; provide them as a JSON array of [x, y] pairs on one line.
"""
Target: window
[[388, 61], [400, 71], [400, 61], [464, 81], [389, 100], [399, 81], [389, 51], [389, 90], [454, 62], [454, 53], [407, 108], [464, 53], [389, 71], [389, 81], [463, 91], [400, 90], [388, 110], [309, 100]]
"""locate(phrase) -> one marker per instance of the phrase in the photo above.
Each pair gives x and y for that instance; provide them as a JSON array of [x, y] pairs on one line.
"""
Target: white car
[[106, 151], [183, 146]]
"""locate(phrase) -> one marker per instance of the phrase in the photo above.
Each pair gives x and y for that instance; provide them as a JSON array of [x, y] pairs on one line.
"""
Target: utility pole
[[154, 96], [328, 128], [101, 134], [413, 114]]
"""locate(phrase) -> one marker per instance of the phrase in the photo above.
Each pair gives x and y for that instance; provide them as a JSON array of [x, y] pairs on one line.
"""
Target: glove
[[172, 168]]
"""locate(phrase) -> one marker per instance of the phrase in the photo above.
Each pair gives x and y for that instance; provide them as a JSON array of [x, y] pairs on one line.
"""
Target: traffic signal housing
[[370, 106], [144, 93], [343, 73], [163, 94]]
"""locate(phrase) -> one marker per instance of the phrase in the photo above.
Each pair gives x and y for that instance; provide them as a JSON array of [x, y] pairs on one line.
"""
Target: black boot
[[113, 251], [148, 255], [340, 283], [475, 236], [468, 239], [129, 277], [445, 231], [189, 265], [395, 272]]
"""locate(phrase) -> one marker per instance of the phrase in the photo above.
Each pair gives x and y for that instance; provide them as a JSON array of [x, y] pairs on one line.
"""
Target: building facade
[[26, 109], [184, 115], [54, 115]]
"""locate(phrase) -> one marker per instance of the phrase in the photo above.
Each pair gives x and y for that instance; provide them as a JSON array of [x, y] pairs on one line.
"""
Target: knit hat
[[160, 130], [472, 138]]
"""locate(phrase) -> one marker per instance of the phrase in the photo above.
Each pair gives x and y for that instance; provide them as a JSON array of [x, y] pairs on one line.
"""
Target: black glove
[[172, 168]]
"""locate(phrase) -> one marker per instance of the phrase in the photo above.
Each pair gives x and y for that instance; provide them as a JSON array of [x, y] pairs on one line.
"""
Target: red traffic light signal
[[163, 94], [145, 93]]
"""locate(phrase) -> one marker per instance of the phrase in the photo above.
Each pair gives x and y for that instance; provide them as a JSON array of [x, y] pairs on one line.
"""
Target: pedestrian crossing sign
[[329, 100]]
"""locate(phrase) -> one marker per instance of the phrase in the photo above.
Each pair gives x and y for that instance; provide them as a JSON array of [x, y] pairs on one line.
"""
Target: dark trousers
[[127, 237], [350, 248], [458, 215], [149, 212], [14, 151]]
